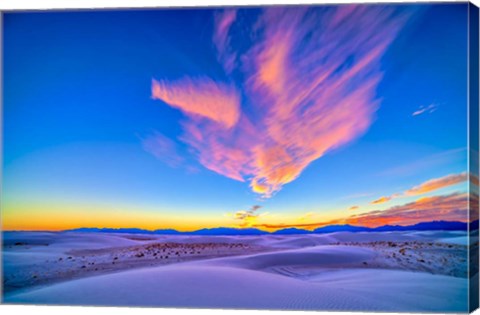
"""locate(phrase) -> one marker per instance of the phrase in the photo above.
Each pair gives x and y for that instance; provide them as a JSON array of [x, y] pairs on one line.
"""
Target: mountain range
[[423, 226]]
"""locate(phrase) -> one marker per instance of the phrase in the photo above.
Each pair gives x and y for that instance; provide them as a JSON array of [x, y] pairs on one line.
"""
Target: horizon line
[[235, 228]]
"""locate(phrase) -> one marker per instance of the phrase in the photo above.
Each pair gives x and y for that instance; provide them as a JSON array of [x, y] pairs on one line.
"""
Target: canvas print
[[303, 157]]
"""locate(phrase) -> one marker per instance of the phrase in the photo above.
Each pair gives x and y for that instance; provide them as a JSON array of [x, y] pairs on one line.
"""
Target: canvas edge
[[473, 151]]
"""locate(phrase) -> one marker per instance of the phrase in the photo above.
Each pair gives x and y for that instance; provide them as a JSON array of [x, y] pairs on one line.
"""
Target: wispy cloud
[[425, 109], [453, 207], [223, 22], [437, 183], [248, 217], [426, 187], [306, 90], [354, 208], [163, 148], [200, 97], [381, 200]]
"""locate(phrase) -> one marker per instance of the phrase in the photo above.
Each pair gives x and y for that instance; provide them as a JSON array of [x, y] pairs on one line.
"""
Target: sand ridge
[[338, 271]]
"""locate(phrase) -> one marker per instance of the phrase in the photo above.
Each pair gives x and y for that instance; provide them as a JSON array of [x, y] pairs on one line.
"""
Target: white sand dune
[[192, 286], [298, 241], [318, 256], [293, 272]]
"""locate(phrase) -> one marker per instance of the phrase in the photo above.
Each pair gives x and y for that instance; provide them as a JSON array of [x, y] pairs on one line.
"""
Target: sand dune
[[319, 256], [192, 286], [340, 271]]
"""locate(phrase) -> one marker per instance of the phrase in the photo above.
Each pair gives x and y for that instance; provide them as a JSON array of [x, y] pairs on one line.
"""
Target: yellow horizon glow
[[62, 216], [43, 217], [59, 216]]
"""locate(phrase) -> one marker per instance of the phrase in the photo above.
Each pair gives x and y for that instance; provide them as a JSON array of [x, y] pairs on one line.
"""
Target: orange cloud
[[381, 200], [259, 188], [307, 226], [306, 91], [437, 183], [249, 217], [453, 207], [354, 208], [426, 187], [203, 97]]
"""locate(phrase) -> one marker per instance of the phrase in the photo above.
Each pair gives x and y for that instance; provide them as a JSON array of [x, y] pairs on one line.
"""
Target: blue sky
[[78, 105]]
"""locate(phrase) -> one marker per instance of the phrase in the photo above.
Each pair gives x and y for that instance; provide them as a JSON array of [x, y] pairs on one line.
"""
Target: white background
[[65, 4]]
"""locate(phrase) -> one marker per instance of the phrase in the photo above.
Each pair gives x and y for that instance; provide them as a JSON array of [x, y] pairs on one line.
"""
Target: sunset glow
[[266, 118]]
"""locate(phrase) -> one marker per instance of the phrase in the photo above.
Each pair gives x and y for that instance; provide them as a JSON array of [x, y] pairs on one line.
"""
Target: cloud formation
[[381, 200], [453, 207], [223, 22], [437, 183], [426, 187], [201, 97], [249, 217], [308, 87], [354, 208], [163, 148], [425, 109]]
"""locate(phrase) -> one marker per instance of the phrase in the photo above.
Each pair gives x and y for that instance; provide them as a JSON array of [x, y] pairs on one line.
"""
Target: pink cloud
[[426, 187], [381, 200], [453, 207], [223, 23], [437, 183], [310, 80], [202, 97]]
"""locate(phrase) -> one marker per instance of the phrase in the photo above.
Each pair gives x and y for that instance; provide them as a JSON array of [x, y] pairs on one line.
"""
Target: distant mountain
[[292, 231], [167, 232], [227, 231], [341, 228], [423, 226], [109, 230], [426, 226]]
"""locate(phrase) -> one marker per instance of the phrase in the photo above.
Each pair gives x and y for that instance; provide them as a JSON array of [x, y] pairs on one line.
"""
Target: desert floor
[[374, 271]]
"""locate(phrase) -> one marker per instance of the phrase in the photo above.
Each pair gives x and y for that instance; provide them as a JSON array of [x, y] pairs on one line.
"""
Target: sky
[[270, 117]]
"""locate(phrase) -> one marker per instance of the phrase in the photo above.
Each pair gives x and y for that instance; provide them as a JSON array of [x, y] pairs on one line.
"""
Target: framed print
[[301, 157]]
